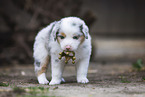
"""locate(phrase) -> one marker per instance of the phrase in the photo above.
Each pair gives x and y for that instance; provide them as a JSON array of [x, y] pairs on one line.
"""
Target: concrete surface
[[106, 80]]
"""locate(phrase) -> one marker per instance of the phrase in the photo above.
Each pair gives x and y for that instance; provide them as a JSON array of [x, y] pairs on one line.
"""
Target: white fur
[[46, 45], [42, 79]]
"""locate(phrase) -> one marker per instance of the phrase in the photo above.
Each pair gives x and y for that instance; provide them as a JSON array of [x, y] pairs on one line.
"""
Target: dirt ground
[[106, 80]]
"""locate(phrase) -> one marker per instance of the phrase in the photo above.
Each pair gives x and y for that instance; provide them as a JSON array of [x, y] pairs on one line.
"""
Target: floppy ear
[[85, 30], [55, 29]]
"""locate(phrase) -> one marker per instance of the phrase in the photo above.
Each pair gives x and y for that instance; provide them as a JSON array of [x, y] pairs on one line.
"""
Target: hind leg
[[40, 70]]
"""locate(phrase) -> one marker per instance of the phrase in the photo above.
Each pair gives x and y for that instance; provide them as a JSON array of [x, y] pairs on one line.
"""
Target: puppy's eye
[[61, 37], [76, 37]]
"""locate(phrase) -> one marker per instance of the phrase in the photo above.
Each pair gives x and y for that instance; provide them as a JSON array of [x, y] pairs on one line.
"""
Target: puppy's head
[[70, 33]]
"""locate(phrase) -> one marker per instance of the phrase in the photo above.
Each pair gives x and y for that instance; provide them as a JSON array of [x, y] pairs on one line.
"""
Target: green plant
[[143, 78], [4, 84], [37, 96], [36, 90], [138, 64], [124, 80], [31, 91], [18, 90]]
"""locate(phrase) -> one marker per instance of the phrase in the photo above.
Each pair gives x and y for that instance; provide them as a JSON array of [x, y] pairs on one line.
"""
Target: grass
[[35, 90], [42, 95], [143, 78], [138, 65], [28, 91], [37, 96], [31, 91], [4, 84], [18, 90], [124, 80]]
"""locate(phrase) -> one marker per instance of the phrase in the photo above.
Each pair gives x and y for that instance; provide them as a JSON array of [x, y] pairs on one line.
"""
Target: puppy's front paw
[[82, 80], [54, 82], [42, 79], [62, 79]]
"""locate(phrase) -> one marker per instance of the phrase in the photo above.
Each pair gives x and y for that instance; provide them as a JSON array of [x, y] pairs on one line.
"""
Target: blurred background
[[117, 27]]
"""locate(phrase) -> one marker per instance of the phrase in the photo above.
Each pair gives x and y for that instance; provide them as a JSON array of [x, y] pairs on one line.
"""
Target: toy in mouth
[[68, 55]]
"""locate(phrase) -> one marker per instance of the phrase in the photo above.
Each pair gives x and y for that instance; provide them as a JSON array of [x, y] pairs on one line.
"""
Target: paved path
[[106, 80]]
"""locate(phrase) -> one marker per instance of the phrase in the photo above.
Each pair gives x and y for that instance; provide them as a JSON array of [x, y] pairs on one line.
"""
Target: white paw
[[42, 79], [82, 80], [62, 79], [54, 82]]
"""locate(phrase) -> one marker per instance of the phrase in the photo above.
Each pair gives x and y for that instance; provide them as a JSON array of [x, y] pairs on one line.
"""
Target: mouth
[[68, 52]]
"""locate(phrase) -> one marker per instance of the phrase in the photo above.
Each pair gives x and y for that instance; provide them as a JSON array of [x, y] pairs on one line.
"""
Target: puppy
[[69, 34]]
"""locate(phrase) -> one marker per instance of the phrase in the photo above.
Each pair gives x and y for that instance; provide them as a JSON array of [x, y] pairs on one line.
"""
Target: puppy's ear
[[55, 29], [85, 30]]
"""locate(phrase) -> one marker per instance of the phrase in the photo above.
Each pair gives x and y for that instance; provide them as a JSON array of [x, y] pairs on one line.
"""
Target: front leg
[[82, 69], [56, 69]]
